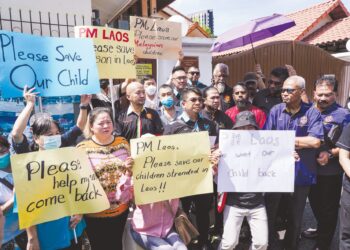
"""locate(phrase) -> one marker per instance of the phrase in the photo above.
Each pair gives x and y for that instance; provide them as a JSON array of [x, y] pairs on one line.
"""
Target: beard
[[242, 104]]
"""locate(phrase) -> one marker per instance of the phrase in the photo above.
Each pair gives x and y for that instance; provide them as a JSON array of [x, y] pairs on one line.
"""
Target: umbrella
[[252, 31]]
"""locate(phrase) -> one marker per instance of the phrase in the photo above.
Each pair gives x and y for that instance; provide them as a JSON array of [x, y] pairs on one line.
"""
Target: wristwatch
[[82, 106]]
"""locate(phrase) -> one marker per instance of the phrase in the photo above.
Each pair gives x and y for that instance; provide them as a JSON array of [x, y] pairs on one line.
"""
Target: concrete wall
[[192, 46]]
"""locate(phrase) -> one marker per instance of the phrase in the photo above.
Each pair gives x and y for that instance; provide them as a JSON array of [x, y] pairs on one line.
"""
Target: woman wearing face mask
[[57, 234], [12, 233], [168, 111], [109, 158], [151, 90]]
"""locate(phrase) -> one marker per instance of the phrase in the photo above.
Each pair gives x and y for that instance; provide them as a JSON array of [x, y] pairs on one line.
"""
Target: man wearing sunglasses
[[325, 195], [190, 121], [306, 121], [193, 75], [269, 97]]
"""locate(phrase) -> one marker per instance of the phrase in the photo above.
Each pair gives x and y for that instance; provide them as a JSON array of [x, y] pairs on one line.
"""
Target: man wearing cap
[[250, 80], [269, 97], [190, 121], [325, 195], [293, 114], [241, 205], [240, 96], [193, 75], [219, 81]]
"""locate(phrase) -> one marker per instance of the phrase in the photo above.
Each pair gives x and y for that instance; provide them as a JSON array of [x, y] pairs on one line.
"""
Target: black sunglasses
[[194, 73], [289, 91]]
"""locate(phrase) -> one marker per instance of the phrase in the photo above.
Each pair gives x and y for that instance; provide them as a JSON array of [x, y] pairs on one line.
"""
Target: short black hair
[[329, 80], [146, 78], [240, 84], [166, 86], [189, 90], [280, 72], [177, 68], [207, 89]]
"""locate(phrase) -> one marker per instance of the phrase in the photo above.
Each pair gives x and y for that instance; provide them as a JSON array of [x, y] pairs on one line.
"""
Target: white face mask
[[51, 142], [151, 90]]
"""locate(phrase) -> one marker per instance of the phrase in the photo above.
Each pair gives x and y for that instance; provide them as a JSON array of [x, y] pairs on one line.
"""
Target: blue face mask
[[168, 102], [52, 142], [5, 161]]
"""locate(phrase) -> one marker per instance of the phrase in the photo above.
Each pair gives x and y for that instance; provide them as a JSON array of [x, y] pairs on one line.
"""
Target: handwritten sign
[[53, 66], [114, 50], [52, 184], [156, 39], [256, 161], [167, 168], [143, 69]]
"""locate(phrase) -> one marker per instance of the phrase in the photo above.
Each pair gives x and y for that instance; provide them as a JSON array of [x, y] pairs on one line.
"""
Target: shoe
[[310, 233]]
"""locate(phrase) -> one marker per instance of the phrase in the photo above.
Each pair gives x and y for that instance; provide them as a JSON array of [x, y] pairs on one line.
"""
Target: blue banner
[[54, 66]]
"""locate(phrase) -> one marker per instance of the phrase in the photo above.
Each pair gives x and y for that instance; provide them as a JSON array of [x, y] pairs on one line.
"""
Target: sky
[[230, 13]]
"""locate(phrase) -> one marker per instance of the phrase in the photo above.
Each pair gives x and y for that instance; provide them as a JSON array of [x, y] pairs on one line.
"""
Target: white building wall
[[192, 46]]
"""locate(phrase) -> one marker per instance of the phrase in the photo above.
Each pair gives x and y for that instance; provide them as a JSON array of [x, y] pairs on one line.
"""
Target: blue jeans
[[170, 242]]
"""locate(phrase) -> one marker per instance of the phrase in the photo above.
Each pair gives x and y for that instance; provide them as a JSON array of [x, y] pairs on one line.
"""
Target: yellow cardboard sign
[[156, 38], [143, 69], [114, 50], [52, 184], [172, 166]]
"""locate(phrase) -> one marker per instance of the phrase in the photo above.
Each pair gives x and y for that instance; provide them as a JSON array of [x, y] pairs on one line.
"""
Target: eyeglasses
[[275, 82], [194, 73], [289, 91], [179, 78], [194, 99]]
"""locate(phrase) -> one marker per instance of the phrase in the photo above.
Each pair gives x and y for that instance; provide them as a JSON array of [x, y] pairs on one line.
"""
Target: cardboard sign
[[52, 184], [114, 50], [53, 66], [167, 168], [155, 38], [256, 161]]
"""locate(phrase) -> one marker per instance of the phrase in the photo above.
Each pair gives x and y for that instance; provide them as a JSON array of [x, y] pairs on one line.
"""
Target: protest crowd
[[186, 105]]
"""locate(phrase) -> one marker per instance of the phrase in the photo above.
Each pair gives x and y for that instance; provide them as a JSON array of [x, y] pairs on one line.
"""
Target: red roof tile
[[305, 21], [334, 31]]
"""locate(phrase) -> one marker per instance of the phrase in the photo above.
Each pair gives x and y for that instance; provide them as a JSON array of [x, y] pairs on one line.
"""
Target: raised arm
[[82, 118], [22, 120]]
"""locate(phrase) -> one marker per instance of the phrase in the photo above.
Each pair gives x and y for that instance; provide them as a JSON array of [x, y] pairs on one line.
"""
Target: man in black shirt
[[344, 159], [138, 120], [265, 99], [191, 121], [219, 81], [211, 109]]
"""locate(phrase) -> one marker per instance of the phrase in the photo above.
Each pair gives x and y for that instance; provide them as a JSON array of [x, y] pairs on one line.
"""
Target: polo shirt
[[334, 115], [219, 117], [344, 143], [185, 125], [306, 122], [265, 100], [130, 125], [260, 116]]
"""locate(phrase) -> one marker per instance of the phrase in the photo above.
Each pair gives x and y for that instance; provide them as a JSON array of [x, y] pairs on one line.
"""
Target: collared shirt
[[155, 219], [265, 100], [219, 117], [306, 122], [260, 116], [226, 99], [344, 143], [334, 116], [152, 104], [165, 119], [130, 125], [198, 84], [185, 125]]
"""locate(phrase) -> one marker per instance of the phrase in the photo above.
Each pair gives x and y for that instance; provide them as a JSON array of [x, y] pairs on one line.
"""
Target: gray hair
[[300, 81], [221, 67]]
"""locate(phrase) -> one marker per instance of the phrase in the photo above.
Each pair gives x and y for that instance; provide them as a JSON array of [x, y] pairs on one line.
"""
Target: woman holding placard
[[64, 233], [110, 159]]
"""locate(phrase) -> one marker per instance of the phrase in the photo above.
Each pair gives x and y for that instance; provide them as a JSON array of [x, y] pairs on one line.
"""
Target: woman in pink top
[[152, 226]]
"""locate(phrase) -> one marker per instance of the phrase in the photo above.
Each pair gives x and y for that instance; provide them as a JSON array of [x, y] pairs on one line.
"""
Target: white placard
[[256, 161]]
